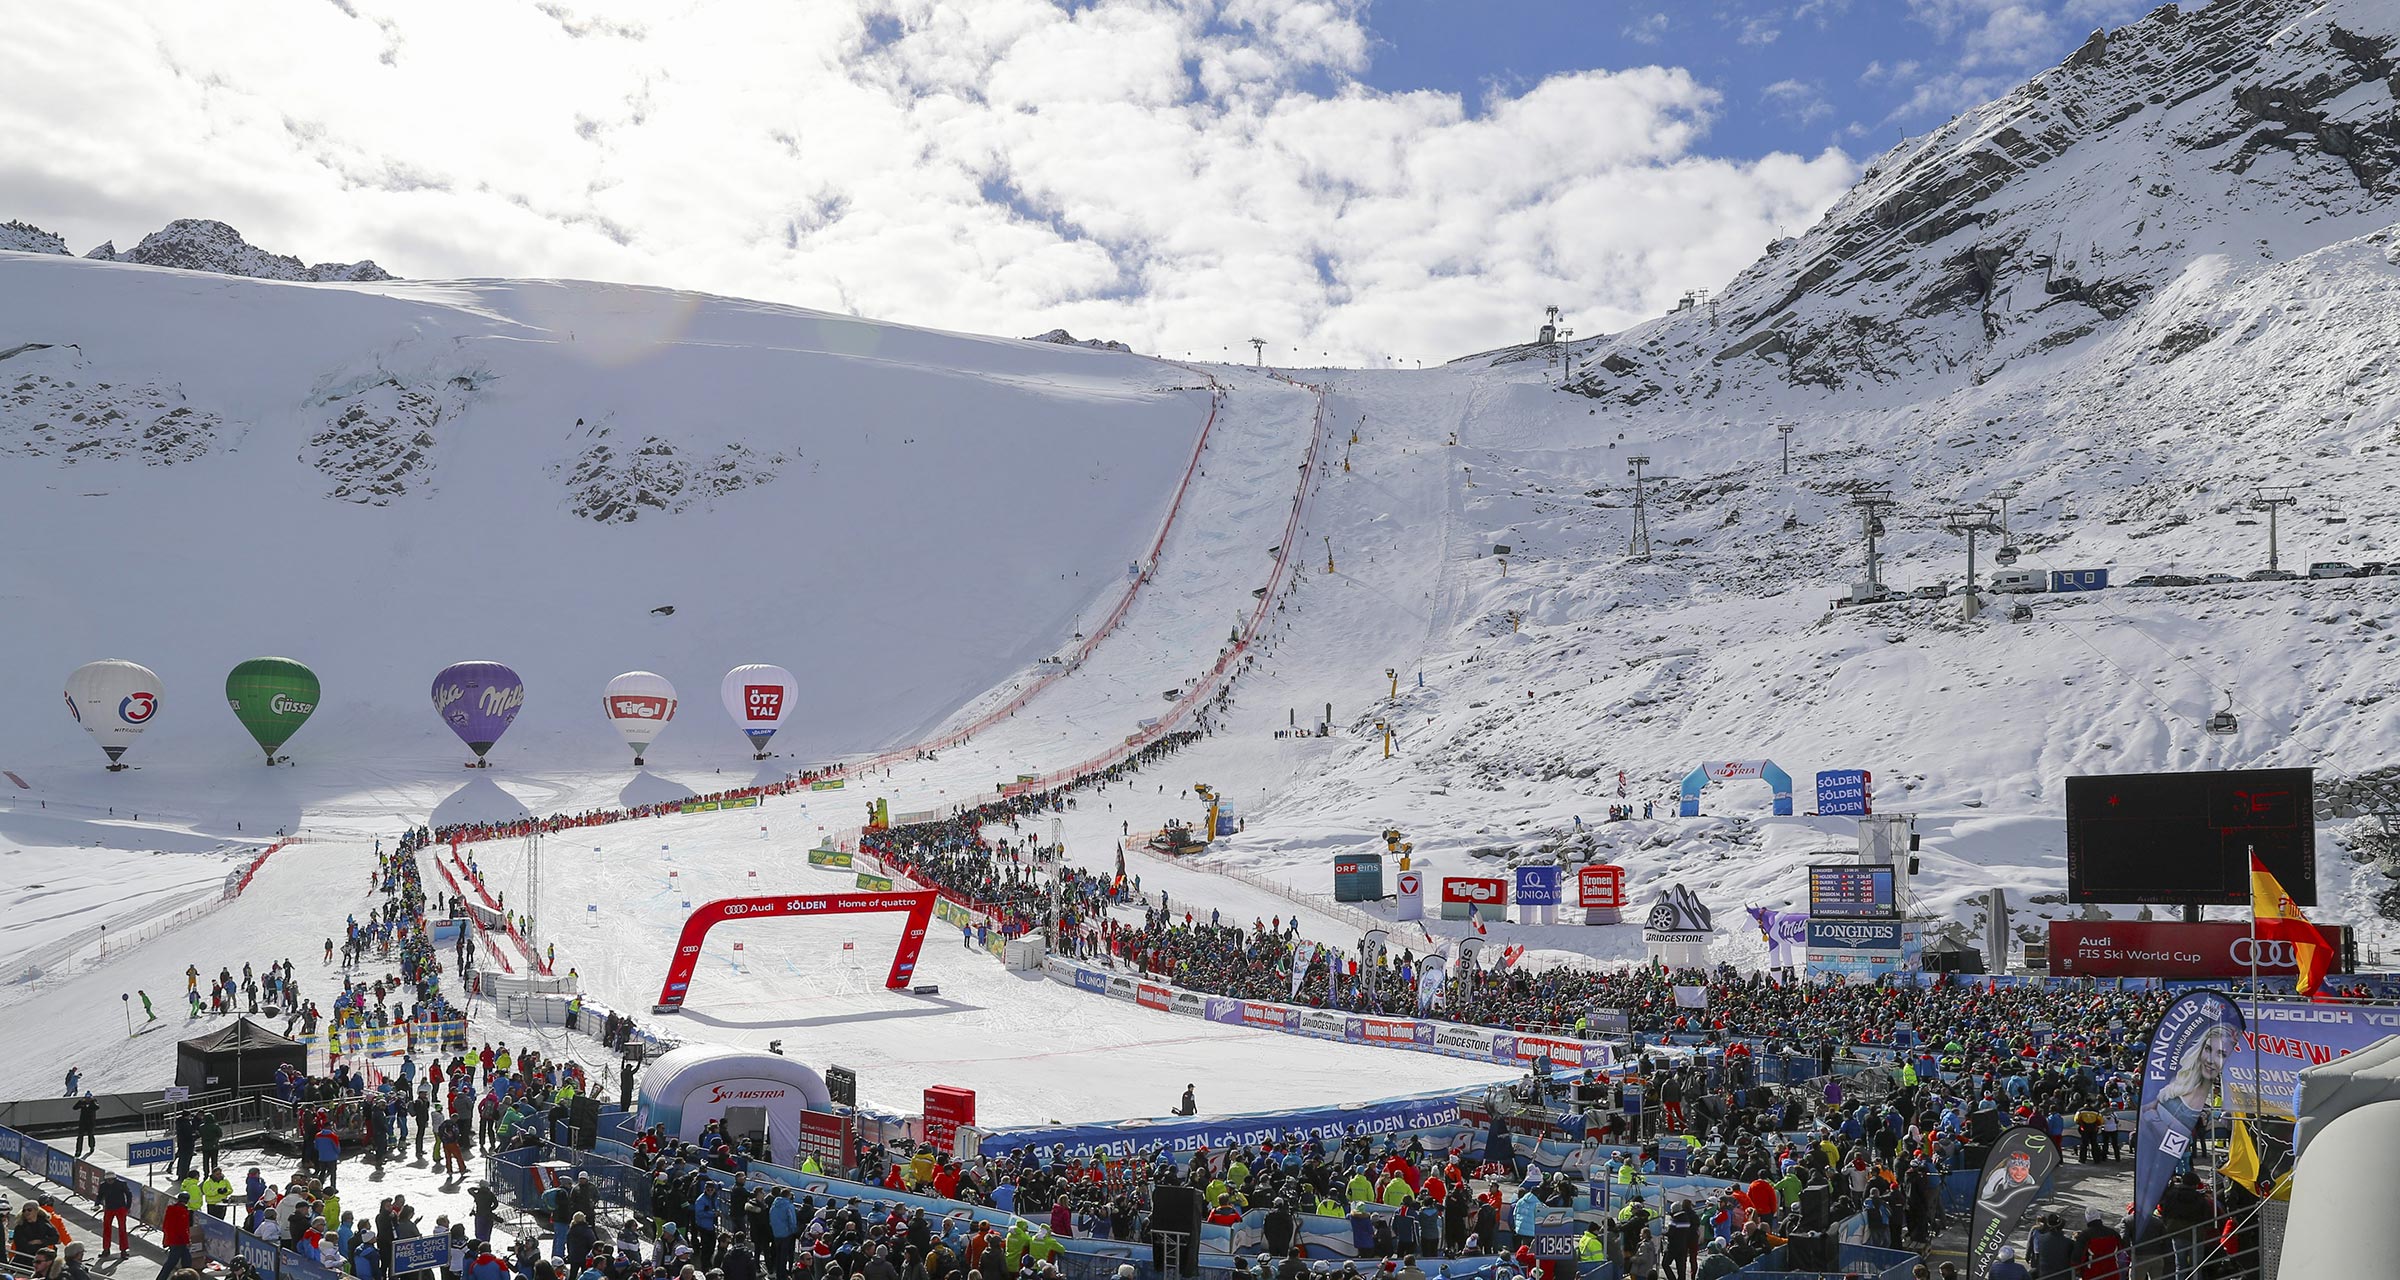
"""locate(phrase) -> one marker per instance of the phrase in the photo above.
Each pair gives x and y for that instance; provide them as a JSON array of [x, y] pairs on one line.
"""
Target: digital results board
[[2187, 837], [1851, 891]]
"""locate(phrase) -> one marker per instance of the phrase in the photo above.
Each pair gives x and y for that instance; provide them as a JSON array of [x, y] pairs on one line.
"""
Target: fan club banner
[[2182, 1071], [2021, 1161]]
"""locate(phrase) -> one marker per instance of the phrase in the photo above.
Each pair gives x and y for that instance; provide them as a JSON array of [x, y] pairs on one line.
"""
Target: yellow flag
[[2241, 1158]]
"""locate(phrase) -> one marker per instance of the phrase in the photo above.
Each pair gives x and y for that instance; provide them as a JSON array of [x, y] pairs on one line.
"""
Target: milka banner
[[2182, 1070], [2021, 1161]]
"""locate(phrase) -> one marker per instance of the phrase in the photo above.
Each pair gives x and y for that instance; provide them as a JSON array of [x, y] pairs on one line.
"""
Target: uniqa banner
[[2183, 1069], [2021, 1161]]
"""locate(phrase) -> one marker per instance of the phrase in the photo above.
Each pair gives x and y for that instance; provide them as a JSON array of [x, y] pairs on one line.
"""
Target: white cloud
[[1137, 169], [1649, 29], [1758, 31], [1801, 101]]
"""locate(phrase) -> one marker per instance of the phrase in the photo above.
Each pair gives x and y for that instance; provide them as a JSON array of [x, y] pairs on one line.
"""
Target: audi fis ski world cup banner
[[1845, 792], [2021, 1161], [2174, 949], [2184, 1067]]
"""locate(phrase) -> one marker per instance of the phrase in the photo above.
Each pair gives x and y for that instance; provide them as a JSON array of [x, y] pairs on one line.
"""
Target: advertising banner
[[1179, 1136], [869, 880], [1410, 886], [1462, 1042], [1088, 980], [1270, 1017], [1120, 987], [739, 802], [1222, 1009], [1358, 877], [1845, 792], [2185, 1065], [1399, 1033], [827, 1136], [829, 858], [827, 784], [1190, 1004], [2291, 1035], [1323, 1025], [2021, 1161], [1538, 886], [2173, 949], [1600, 887], [1150, 995], [1854, 935], [701, 806], [1459, 893]]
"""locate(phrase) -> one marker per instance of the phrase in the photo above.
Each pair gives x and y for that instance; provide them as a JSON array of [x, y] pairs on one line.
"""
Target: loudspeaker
[[1983, 1127], [1176, 1209], [583, 1122], [1816, 1207], [1811, 1251]]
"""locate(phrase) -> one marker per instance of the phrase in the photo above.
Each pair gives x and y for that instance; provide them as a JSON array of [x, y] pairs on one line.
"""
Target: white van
[[2018, 582]]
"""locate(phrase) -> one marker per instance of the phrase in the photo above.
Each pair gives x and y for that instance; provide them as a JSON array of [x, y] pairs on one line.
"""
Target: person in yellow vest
[[1359, 1189], [1908, 1075], [1328, 1207], [1043, 1247], [1237, 1173], [921, 1168], [1020, 1235], [190, 1187], [503, 1062], [214, 1192], [1395, 1191], [810, 1167], [1590, 1249]]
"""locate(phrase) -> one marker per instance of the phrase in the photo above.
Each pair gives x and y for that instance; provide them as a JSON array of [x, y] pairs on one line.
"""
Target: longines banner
[[2172, 949]]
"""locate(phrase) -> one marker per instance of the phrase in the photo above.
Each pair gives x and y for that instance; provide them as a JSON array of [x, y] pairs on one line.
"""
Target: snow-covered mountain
[[2120, 298], [1066, 339], [198, 244]]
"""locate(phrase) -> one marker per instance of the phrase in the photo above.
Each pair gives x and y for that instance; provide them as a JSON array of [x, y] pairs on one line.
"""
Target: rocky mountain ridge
[[2255, 129], [199, 244]]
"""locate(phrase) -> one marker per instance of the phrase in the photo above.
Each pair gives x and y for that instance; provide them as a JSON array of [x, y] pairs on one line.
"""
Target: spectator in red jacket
[[175, 1232]]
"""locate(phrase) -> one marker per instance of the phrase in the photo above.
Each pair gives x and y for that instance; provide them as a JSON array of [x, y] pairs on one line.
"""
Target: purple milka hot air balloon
[[477, 700]]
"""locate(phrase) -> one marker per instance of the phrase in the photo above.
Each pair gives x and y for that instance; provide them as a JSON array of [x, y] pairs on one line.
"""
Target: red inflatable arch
[[917, 903]]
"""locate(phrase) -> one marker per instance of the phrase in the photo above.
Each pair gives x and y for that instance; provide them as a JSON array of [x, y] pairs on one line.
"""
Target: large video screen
[[2187, 837], [1851, 891]]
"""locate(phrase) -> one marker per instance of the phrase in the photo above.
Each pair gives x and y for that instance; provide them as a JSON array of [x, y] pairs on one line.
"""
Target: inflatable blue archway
[[1731, 770]]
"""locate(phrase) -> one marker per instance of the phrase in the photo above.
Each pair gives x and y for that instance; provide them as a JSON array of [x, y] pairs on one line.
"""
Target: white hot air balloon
[[114, 700], [639, 704], [758, 696]]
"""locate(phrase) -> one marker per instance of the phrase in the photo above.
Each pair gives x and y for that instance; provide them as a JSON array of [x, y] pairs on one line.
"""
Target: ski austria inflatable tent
[[751, 1092]]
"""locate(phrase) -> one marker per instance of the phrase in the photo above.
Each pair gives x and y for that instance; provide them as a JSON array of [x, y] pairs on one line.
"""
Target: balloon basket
[[119, 768]]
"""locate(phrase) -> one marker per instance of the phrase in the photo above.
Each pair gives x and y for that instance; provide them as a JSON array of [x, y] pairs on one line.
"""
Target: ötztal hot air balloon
[[758, 696], [114, 701], [639, 704], [478, 700], [272, 697]]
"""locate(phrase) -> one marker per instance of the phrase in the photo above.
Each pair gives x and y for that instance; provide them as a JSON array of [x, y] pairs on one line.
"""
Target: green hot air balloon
[[272, 697]]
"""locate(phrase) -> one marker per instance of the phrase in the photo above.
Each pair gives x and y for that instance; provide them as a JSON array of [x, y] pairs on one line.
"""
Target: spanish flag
[[2275, 916]]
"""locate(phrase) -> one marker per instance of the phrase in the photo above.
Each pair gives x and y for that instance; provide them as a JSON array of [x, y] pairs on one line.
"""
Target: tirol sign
[[1479, 891], [2174, 949]]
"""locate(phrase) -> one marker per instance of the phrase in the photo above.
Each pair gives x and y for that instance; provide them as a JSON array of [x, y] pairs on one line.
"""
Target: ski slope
[[1034, 1051]]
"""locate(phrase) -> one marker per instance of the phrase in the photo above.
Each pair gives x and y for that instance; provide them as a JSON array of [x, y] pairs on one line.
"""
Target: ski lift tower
[[1640, 539], [1967, 522], [1871, 504], [2272, 499], [1258, 353]]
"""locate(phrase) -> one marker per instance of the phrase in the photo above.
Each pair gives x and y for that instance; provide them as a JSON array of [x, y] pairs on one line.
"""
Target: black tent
[[1949, 955], [242, 1056]]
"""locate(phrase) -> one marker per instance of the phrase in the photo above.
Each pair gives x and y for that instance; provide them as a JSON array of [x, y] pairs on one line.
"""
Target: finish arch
[[917, 903]]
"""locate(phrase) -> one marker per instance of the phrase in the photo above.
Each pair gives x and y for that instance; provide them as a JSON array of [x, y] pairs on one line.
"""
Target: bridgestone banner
[[2021, 1161]]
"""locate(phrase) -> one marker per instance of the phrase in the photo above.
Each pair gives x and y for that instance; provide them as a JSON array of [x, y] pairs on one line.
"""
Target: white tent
[[749, 1091], [2348, 1141]]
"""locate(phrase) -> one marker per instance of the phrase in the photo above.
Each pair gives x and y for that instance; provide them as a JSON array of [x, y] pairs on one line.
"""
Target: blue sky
[[1376, 179], [1793, 75]]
